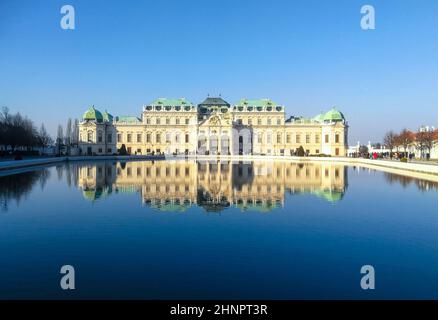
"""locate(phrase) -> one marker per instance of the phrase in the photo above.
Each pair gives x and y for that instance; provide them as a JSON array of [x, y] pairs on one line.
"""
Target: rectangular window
[[110, 138], [326, 138], [269, 121], [288, 138], [129, 139], [119, 137], [298, 138], [307, 138], [148, 138], [187, 120], [177, 121], [337, 138], [99, 137], [337, 151], [168, 137], [317, 151], [317, 138], [187, 138], [239, 121], [100, 150], [269, 138], [158, 138], [148, 120], [249, 122], [279, 138], [109, 151], [167, 121], [129, 150], [138, 137], [259, 121], [278, 121], [157, 121], [260, 138]]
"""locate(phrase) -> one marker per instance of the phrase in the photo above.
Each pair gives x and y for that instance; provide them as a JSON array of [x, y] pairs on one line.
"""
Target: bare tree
[[17, 132], [405, 139], [75, 135], [424, 141], [389, 140], [68, 132], [59, 138], [44, 139]]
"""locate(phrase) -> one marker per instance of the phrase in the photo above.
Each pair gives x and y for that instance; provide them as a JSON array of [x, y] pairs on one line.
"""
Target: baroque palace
[[213, 127]]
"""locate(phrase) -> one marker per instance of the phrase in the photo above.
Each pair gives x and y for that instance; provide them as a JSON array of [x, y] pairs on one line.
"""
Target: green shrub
[[404, 159]]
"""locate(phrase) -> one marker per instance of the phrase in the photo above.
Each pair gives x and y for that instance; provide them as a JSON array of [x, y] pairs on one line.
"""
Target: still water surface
[[184, 229]]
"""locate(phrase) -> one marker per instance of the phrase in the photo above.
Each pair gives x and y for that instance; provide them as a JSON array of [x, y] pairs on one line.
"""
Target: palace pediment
[[216, 120]]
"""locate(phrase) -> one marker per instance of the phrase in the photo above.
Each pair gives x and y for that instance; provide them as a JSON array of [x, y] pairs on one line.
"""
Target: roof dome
[[334, 115], [318, 117], [107, 117], [93, 114]]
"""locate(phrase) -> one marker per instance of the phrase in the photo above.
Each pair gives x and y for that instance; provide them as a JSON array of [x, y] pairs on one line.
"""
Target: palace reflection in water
[[214, 186], [158, 225]]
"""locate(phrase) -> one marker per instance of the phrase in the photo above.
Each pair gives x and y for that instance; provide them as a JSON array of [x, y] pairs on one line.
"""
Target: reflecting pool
[[217, 230]]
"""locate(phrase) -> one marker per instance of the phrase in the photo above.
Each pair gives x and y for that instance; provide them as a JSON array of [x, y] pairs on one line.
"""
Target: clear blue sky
[[307, 55]]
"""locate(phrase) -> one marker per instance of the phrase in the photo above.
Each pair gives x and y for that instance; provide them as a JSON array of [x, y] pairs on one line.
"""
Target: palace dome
[[334, 115], [319, 117], [107, 117], [93, 114]]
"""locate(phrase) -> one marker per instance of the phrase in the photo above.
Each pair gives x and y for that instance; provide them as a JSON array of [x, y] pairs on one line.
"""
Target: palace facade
[[213, 127]]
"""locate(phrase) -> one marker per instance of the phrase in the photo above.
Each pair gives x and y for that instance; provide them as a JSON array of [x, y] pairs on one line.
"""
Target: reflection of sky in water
[[187, 230]]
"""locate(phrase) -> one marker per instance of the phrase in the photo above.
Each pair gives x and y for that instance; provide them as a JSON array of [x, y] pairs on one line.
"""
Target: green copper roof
[[93, 114], [318, 117], [171, 102], [301, 120], [107, 117], [256, 103], [260, 207], [128, 119], [334, 115], [329, 195], [171, 207], [214, 102], [93, 194]]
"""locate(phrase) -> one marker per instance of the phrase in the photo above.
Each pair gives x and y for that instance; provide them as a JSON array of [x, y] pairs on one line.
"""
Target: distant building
[[177, 126], [427, 129]]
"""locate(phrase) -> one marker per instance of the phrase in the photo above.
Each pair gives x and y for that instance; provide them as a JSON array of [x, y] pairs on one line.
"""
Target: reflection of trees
[[60, 171], [404, 181], [17, 186]]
